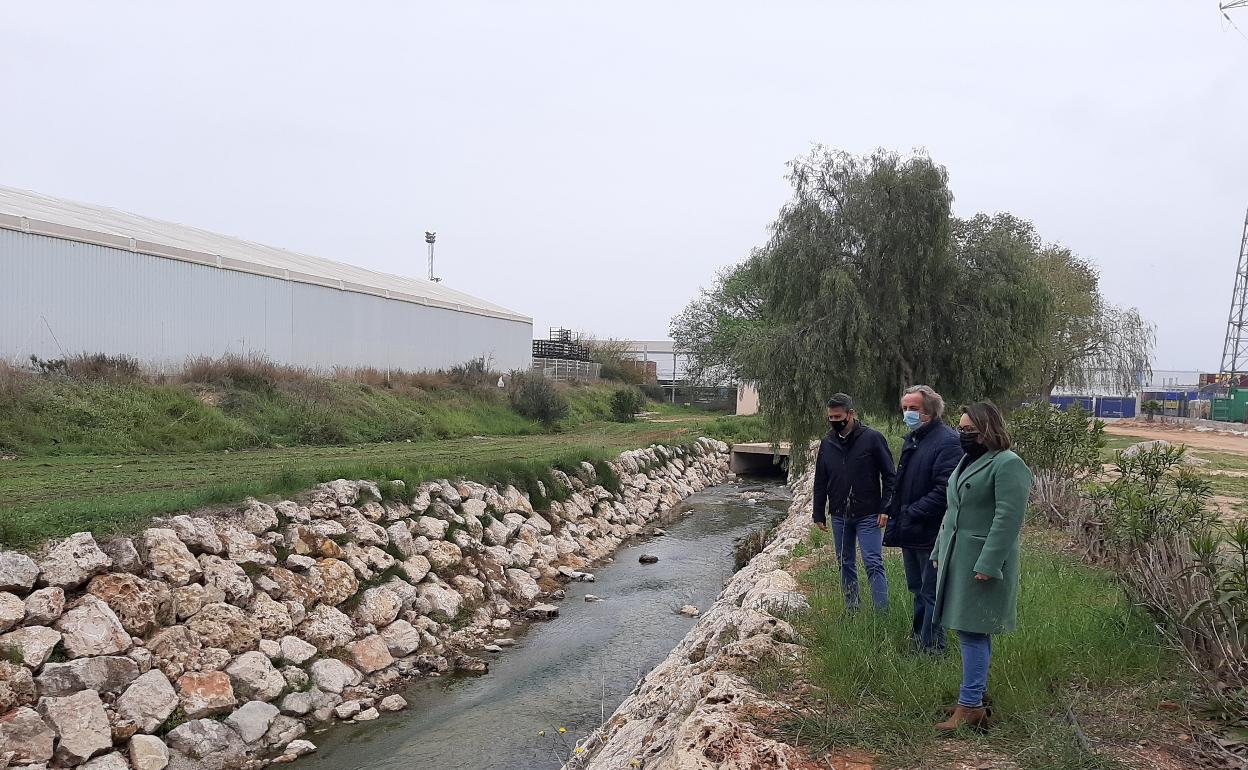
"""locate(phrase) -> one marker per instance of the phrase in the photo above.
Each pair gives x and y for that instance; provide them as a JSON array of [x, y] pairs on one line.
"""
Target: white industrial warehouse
[[77, 278]]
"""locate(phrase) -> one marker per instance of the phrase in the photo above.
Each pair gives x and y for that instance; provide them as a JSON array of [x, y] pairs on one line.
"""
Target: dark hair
[[986, 418], [841, 401]]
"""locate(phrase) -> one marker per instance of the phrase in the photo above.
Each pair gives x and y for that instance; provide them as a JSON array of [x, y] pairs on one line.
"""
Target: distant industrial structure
[[88, 279]]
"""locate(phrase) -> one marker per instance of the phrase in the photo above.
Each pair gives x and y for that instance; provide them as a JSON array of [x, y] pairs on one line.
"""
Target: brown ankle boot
[[963, 716]]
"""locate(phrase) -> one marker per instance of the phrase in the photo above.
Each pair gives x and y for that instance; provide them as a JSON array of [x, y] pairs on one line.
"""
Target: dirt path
[[1212, 442]]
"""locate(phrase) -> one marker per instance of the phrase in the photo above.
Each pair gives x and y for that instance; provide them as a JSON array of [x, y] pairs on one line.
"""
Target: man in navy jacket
[[853, 485], [930, 453]]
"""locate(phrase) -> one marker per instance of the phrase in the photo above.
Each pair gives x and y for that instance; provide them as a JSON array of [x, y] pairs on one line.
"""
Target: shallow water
[[573, 670]]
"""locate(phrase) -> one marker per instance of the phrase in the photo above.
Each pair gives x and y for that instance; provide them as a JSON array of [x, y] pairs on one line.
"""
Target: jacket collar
[[968, 471]]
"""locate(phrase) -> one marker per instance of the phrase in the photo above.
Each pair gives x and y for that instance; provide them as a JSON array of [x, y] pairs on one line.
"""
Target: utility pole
[[430, 238]]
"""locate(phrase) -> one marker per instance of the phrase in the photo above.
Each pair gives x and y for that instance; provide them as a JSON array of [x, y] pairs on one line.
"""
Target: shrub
[[536, 397], [626, 403], [1060, 447], [653, 392], [616, 361]]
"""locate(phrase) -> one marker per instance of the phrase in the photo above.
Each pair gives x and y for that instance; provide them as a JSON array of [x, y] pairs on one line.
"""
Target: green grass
[[70, 416], [53, 496], [1077, 638]]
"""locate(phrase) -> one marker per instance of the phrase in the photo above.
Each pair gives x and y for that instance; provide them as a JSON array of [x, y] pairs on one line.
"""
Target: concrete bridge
[[759, 458]]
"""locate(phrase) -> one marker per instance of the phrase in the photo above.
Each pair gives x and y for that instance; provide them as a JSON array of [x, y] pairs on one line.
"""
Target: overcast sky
[[592, 164]]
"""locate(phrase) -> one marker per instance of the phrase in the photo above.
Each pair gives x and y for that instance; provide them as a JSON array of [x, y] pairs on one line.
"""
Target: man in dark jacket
[[930, 453], [853, 486]]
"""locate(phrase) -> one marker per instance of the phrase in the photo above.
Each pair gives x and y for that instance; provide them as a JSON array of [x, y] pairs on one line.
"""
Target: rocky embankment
[[213, 642], [695, 709]]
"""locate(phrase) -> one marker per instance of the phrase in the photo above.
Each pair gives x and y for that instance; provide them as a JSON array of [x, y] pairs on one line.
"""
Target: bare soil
[[1175, 434]]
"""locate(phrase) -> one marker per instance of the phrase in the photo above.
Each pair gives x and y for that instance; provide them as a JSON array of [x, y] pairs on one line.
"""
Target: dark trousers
[[921, 580]]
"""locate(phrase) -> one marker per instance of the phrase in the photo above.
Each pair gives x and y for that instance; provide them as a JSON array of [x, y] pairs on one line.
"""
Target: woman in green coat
[[976, 553]]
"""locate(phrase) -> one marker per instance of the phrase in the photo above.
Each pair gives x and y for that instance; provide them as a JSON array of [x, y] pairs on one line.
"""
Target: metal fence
[[563, 370]]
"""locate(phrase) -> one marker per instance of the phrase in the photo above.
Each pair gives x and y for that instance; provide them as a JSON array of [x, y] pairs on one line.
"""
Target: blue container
[[1115, 407], [1065, 402]]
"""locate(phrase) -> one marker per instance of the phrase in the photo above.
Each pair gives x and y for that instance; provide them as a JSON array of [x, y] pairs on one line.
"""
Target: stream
[[571, 671]]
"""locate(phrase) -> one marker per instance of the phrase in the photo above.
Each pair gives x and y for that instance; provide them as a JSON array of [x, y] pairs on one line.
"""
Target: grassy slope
[[61, 416], [1078, 637], [50, 496]]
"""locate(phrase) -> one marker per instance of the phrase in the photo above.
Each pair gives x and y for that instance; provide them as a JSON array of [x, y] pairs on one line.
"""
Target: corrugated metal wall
[[61, 297]]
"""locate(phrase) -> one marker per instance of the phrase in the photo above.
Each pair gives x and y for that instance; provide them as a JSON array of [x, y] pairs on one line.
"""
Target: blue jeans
[[865, 532], [976, 655], [921, 580]]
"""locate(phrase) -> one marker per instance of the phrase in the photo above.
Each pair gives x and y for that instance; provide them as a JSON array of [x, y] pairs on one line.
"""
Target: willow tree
[[715, 328], [868, 285], [1088, 343]]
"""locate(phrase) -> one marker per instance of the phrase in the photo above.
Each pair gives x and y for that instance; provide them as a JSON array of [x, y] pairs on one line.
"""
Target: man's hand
[[822, 525], [982, 576], [882, 520]]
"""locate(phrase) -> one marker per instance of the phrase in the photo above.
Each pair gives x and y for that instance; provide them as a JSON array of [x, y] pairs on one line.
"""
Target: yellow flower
[[634, 763], [562, 730], [541, 733], [580, 749]]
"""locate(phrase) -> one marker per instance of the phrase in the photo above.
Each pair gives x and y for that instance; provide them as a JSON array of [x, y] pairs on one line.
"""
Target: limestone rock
[[31, 645], [254, 677], [190, 599], [73, 561], [12, 611], [147, 752], [307, 541], [18, 572], [282, 731], [296, 650], [227, 577], [542, 611], [305, 588], [300, 747], [167, 557], [364, 532], [105, 674], [81, 723], [44, 607], [242, 547], [367, 715], [378, 607], [252, 720], [225, 626], [91, 627], [272, 617], [401, 539], [113, 760], [370, 654], [148, 702], [258, 517], [203, 738], [392, 703], [415, 568], [427, 526], [26, 735], [122, 555], [198, 533], [205, 694], [17, 687], [332, 675], [402, 639], [141, 605], [441, 599], [690, 611], [175, 650], [523, 586], [338, 579], [326, 628], [444, 556]]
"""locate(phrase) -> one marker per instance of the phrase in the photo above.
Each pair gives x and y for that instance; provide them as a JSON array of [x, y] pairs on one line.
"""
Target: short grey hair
[[933, 404]]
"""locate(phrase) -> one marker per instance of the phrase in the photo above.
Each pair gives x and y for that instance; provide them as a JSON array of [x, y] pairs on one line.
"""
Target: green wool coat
[[980, 533]]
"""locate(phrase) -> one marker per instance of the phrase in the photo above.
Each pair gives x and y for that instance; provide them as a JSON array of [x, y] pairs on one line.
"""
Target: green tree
[[715, 328], [1088, 343], [867, 285]]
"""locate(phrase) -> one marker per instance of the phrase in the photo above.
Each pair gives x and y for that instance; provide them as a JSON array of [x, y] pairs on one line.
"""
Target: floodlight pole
[[429, 239]]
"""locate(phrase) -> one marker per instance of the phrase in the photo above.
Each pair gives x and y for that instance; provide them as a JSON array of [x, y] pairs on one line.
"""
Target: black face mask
[[838, 425], [971, 445]]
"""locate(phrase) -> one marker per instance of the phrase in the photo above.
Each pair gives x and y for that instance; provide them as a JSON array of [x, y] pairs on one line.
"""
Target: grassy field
[[1078, 642], [50, 496]]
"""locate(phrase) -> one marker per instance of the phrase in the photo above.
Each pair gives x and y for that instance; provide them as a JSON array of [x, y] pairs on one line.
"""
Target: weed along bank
[[218, 642]]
